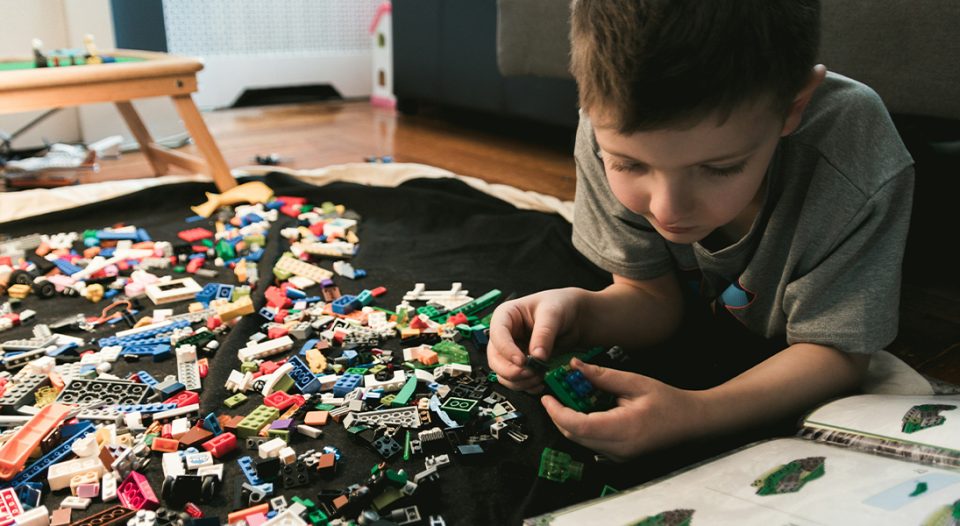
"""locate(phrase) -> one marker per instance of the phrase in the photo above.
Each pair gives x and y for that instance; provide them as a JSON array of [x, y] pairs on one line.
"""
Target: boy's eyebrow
[[732, 156]]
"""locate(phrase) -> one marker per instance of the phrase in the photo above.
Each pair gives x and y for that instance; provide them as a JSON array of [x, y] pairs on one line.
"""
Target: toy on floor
[[252, 192]]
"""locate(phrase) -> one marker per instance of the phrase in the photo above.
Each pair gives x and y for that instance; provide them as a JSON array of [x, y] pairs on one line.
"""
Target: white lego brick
[[86, 446], [134, 421], [199, 460], [287, 455], [271, 448], [172, 465], [173, 290], [75, 503], [216, 470], [424, 375], [289, 516], [59, 474], [36, 517], [264, 349], [309, 431], [179, 427], [108, 487], [388, 386]]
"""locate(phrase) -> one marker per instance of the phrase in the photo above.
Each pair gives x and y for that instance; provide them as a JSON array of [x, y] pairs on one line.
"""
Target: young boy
[[712, 146]]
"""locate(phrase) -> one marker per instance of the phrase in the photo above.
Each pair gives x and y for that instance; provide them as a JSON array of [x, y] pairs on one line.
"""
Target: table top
[[18, 73]]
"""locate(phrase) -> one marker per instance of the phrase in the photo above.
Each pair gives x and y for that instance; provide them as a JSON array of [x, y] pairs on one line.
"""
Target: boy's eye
[[620, 166], [725, 171]]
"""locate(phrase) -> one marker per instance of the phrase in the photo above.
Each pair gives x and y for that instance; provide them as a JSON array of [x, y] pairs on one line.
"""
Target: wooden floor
[[526, 156], [313, 135]]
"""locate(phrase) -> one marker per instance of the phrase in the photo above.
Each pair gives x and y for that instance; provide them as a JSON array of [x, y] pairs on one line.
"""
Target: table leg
[[140, 132], [201, 137]]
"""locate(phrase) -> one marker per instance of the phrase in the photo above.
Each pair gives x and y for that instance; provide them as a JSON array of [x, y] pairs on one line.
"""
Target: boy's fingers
[[546, 327], [502, 328], [507, 369], [610, 380], [590, 429]]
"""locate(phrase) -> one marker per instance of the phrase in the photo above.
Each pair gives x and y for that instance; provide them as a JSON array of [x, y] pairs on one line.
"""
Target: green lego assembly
[[668, 518], [559, 466], [255, 421], [924, 416], [569, 386], [790, 477]]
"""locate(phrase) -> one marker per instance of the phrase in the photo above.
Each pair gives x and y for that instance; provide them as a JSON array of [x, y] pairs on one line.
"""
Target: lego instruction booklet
[[869, 459]]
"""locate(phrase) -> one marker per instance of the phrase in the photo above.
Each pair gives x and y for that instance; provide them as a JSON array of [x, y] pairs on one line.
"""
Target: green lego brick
[[235, 400], [283, 384], [357, 370], [459, 409], [431, 311], [473, 307], [559, 466], [451, 352], [256, 420], [249, 367], [388, 400], [406, 393], [324, 407], [376, 369]]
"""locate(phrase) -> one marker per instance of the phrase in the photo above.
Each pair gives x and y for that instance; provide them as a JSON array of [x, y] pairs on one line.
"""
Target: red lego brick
[[194, 234], [221, 444]]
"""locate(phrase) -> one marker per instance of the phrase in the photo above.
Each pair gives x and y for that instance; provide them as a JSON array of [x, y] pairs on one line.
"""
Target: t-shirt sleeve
[[606, 232], [850, 300]]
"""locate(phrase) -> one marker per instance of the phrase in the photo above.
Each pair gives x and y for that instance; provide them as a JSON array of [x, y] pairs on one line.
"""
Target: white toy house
[[381, 31]]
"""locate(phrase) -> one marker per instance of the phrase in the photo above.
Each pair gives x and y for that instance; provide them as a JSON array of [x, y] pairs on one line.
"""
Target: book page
[[923, 420], [779, 483]]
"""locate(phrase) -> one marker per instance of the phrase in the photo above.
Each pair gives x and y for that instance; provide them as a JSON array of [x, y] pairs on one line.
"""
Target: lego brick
[[347, 383], [264, 349], [21, 391], [14, 453], [257, 420], [460, 409], [249, 470], [175, 290], [59, 475], [135, 493], [303, 377], [112, 516], [402, 416], [221, 444], [81, 391]]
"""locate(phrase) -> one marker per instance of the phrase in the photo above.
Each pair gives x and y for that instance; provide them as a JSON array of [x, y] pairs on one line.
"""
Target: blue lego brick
[[170, 388], [211, 424], [578, 383], [207, 293], [110, 294], [66, 267], [346, 383], [29, 494], [143, 408], [304, 379], [55, 455], [350, 356], [194, 219], [142, 235], [250, 219], [107, 252], [267, 313], [249, 470], [225, 292], [151, 334], [343, 304], [255, 255], [308, 345], [295, 294], [198, 255], [157, 352], [146, 378], [313, 299]]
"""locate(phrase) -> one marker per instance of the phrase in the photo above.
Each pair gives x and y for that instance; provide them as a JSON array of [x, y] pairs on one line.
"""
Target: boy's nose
[[671, 206]]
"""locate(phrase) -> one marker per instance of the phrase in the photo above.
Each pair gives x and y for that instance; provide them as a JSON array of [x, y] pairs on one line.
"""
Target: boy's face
[[689, 183]]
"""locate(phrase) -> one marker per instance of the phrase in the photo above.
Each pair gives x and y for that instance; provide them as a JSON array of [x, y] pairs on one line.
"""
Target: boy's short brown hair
[[661, 63]]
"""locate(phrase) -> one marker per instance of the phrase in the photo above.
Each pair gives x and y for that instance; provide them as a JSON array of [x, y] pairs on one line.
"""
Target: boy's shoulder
[[847, 125]]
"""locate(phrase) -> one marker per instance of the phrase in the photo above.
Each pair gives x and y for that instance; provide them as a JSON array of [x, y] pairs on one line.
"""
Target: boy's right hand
[[531, 325]]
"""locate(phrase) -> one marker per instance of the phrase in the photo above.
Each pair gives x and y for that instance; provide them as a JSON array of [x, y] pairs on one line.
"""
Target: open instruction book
[[868, 459]]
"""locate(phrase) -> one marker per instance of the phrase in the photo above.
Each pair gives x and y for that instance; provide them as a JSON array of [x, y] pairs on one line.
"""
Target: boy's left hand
[[649, 414]]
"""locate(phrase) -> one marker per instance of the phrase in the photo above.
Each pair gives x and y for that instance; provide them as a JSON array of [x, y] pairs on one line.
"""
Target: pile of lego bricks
[[375, 384]]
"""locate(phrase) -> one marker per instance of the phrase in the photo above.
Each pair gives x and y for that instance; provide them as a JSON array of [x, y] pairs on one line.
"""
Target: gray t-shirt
[[821, 263]]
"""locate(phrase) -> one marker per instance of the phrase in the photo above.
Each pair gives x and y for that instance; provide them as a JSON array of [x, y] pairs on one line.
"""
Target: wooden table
[[141, 74]]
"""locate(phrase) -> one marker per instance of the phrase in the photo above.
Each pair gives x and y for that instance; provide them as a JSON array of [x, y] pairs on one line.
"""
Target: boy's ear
[[795, 113]]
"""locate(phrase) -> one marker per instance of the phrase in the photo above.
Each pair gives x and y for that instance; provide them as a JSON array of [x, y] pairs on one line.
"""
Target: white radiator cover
[[277, 43]]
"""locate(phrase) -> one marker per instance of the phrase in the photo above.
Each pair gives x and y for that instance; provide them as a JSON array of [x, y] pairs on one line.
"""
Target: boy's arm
[[651, 414], [632, 313]]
